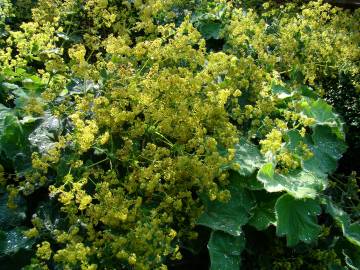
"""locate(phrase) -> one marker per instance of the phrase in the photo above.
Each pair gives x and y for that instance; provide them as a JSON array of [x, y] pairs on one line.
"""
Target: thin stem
[[166, 140], [97, 163]]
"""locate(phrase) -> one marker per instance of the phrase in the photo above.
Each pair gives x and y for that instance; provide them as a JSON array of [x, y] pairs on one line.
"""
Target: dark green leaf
[[210, 29], [14, 143], [293, 141], [230, 216], [248, 182], [225, 250], [308, 92], [11, 134], [327, 142], [264, 212], [11, 217], [297, 219], [14, 240], [351, 231], [352, 257]]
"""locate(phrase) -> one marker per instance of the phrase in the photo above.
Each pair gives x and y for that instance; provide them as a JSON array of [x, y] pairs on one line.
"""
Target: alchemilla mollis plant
[[128, 126]]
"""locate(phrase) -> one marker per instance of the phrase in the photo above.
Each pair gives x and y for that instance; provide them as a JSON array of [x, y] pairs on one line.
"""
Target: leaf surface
[[248, 157], [14, 240], [299, 183], [229, 216], [351, 231], [264, 212], [297, 219], [225, 250]]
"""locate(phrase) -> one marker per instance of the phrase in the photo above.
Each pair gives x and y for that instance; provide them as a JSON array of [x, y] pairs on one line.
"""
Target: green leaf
[[11, 217], [352, 257], [5, 86], [327, 141], [327, 148], [351, 231], [210, 29], [299, 183], [14, 240], [264, 212], [323, 114], [294, 141], [230, 216], [297, 219], [307, 91], [248, 157], [14, 143], [11, 133], [248, 182], [44, 136], [225, 250], [280, 91], [29, 84], [320, 111]]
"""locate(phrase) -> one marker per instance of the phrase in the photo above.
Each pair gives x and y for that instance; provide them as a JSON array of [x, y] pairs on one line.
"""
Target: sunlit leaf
[[299, 183]]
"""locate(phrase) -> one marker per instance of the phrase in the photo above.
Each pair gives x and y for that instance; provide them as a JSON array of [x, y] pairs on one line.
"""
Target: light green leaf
[[8, 86], [230, 216], [248, 157], [297, 219], [320, 111], [327, 148], [64, 92], [225, 250], [323, 113], [300, 183], [281, 92]]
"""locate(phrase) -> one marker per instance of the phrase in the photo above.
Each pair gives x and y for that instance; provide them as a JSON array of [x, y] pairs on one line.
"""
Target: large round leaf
[[297, 219]]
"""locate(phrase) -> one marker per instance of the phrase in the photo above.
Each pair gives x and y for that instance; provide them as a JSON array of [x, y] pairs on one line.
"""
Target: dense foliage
[[130, 130]]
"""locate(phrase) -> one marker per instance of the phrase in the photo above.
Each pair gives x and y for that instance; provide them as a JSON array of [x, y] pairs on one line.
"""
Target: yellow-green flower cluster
[[154, 109], [285, 39]]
